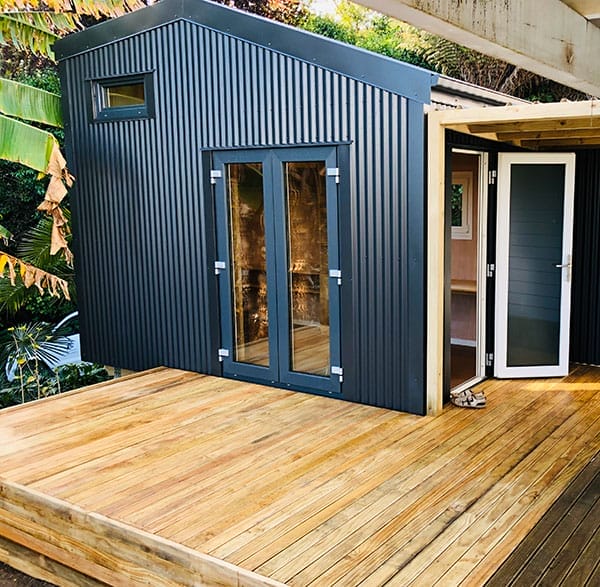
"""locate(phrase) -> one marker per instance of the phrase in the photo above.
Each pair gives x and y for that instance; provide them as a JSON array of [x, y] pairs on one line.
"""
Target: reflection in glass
[[125, 95], [308, 267], [249, 263], [457, 204]]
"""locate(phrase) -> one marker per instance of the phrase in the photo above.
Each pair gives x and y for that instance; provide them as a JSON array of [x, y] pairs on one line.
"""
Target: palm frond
[[26, 144], [29, 103], [35, 341], [35, 246]]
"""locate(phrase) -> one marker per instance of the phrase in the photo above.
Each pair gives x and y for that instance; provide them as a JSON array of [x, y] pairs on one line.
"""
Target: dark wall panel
[[585, 301], [145, 233]]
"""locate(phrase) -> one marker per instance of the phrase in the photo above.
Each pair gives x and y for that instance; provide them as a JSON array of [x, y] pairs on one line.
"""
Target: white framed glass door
[[533, 264]]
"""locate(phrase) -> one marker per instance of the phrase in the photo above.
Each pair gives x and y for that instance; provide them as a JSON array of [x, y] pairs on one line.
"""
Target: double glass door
[[277, 243]]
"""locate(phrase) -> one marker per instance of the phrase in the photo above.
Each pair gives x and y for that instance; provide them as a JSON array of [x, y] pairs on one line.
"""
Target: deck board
[[294, 488], [551, 554]]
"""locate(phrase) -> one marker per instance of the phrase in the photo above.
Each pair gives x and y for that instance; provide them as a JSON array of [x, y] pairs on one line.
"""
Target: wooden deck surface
[[563, 549], [148, 478]]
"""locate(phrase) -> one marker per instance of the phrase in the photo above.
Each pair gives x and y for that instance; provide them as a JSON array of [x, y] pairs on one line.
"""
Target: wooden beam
[[78, 539], [566, 142], [581, 133], [544, 36], [575, 124], [577, 114], [435, 262], [41, 567]]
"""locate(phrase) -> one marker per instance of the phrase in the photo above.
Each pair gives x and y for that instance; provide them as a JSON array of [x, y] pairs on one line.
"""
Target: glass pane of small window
[[457, 204], [125, 95], [461, 205]]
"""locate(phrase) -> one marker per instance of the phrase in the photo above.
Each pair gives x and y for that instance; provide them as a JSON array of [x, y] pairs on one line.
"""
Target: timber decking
[[159, 477], [564, 546]]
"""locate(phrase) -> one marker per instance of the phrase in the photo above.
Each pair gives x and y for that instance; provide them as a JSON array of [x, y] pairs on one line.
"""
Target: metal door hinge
[[222, 354], [490, 268], [336, 274], [492, 173], [219, 266], [214, 175], [489, 359], [338, 371], [334, 172]]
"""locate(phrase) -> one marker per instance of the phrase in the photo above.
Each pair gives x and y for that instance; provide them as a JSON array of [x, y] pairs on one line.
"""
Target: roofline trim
[[383, 72]]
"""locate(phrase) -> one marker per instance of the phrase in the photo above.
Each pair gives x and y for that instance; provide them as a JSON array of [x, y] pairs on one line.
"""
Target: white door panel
[[533, 264]]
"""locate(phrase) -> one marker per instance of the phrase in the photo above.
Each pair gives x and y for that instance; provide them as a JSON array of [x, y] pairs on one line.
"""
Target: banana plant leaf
[[32, 31], [26, 144], [29, 103]]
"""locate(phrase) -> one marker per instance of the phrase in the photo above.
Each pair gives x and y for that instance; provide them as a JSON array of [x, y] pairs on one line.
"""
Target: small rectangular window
[[123, 98], [462, 205]]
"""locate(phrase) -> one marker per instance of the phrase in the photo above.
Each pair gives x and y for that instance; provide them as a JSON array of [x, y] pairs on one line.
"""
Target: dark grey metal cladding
[[139, 214], [383, 72], [145, 227], [585, 296]]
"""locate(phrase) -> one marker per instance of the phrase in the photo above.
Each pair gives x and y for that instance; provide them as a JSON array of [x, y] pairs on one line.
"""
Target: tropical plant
[[34, 25], [288, 11], [65, 378], [34, 249], [365, 28], [29, 346]]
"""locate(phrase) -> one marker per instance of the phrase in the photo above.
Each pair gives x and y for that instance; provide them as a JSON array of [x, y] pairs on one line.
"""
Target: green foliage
[[66, 378], [29, 346], [356, 25], [24, 143], [24, 303], [32, 31], [331, 28], [20, 189], [363, 28], [287, 11], [28, 103]]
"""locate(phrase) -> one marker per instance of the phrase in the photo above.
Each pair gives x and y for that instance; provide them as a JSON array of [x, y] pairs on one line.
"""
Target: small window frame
[[465, 230], [104, 113]]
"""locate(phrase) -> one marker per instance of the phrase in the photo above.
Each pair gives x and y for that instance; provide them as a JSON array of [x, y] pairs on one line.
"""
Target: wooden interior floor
[[158, 478], [462, 364]]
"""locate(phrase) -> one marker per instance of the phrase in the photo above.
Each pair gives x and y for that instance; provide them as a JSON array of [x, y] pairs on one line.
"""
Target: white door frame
[[502, 250], [482, 236]]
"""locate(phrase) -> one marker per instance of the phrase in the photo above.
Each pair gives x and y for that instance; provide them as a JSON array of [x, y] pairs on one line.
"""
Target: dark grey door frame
[[278, 372]]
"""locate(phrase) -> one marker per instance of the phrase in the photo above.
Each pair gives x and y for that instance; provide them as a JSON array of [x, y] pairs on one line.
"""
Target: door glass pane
[[308, 267], [249, 263], [535, 247]]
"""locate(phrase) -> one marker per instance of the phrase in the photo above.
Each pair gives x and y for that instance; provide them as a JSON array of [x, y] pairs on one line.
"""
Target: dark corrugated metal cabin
[[249, 202]]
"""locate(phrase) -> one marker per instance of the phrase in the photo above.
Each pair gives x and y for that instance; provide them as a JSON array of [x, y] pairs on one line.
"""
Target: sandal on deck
[[468, 399]]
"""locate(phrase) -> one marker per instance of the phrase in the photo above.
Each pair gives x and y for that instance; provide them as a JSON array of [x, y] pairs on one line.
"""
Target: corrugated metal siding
[[585, 301], [145, 235]]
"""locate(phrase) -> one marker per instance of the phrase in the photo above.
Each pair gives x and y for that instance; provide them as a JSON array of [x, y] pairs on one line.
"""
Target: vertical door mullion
[[281, 258], [272, 229], [223, 253], [334, 263]]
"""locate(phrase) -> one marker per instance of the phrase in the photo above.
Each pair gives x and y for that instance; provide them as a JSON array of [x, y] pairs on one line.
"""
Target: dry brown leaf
[[31, 275], [60, 178]]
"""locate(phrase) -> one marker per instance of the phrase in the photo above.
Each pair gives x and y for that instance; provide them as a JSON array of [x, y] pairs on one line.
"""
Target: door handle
[[566, 266]]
